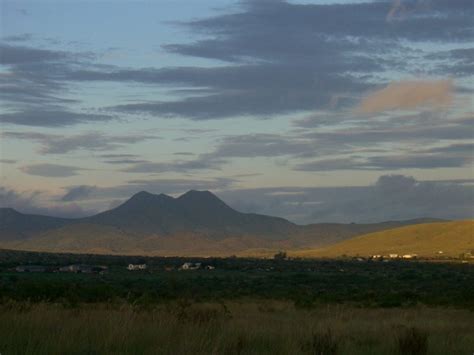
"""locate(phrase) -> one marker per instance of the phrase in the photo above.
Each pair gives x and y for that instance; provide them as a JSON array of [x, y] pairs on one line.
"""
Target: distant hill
[[196, 223], [18, 226], [452, 238]]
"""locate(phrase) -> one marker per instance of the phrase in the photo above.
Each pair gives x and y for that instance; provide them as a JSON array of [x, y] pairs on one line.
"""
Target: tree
[[281, 255]]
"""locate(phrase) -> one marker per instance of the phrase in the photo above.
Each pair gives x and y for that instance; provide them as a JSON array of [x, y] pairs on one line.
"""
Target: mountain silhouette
[[194, 211], [195, 223]]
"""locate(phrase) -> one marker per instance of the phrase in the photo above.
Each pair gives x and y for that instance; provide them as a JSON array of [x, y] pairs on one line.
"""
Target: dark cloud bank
[[274, 57], [392, 197]]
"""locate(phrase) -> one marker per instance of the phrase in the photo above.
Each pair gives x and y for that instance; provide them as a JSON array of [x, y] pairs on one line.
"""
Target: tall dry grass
[[247, 327]]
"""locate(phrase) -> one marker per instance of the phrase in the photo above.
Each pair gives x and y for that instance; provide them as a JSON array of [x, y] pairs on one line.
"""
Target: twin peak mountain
[[198, 211], [195, 223], [146, 214]]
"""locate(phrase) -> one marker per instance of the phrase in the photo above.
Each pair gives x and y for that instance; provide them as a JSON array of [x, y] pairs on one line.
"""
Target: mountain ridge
[[195, 222]]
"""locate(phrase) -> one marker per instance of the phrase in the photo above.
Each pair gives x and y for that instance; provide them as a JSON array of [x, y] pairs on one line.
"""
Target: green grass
[[306, 283], [245, 327]]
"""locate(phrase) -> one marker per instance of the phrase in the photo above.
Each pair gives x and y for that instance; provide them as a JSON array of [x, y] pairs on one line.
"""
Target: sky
[[316, 111]]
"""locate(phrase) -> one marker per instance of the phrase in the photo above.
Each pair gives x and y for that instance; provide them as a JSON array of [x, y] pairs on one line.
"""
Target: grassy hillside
[[453, 238], [97, 239], [107, 239]]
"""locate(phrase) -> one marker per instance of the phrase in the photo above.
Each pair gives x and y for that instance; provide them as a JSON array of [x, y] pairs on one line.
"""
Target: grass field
[[426, 240], [244, 327], [243, 306]]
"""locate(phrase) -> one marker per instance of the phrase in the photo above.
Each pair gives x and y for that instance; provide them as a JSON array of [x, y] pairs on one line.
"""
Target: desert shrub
[[186, 311], [322, 343], [413, 341], [235, 346], [281, 255], [304, 301], [266, 307], [144, 303]]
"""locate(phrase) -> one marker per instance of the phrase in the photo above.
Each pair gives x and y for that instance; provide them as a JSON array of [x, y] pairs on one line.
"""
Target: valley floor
[[233, 306], [247, 327]]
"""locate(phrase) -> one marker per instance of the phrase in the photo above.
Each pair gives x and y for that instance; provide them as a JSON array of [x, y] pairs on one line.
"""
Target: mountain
[[18, 226], [452, 238], [195, 223], [194, 211]]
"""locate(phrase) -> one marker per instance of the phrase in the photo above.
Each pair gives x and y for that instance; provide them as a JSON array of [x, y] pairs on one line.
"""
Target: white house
[[30, 268], [135, 267], [190, 266]]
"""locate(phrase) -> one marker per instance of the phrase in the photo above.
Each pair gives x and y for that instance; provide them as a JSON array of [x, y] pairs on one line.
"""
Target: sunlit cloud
[[401, 8], [406, 95]]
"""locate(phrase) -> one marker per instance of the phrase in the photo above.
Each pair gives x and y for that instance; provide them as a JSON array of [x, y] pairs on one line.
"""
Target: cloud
[[454, 62], [261, 145], [118, 156], [23, 12], [391, 197], [78, 193], [370, 144], [333, 164], [265, 69], [20, 55], [12, 198], [245, 90], [127, 161], [7, 161], [51, 170], [407, 95], [269, 70], [39, 202], [420, 161], [402, 8], [49, 118], [423, 129], [125, 191], [23, 37], [239, 146], [459, 148], [35, 90], [203, 162], [89, 141], [242, 34], [451, 156]]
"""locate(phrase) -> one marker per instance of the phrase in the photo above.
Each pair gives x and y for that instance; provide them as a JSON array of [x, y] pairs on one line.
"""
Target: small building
[[136, 267], [409, 256], [30, 268], [190, 266], [377, 256], [83, 269], [393, 256]]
